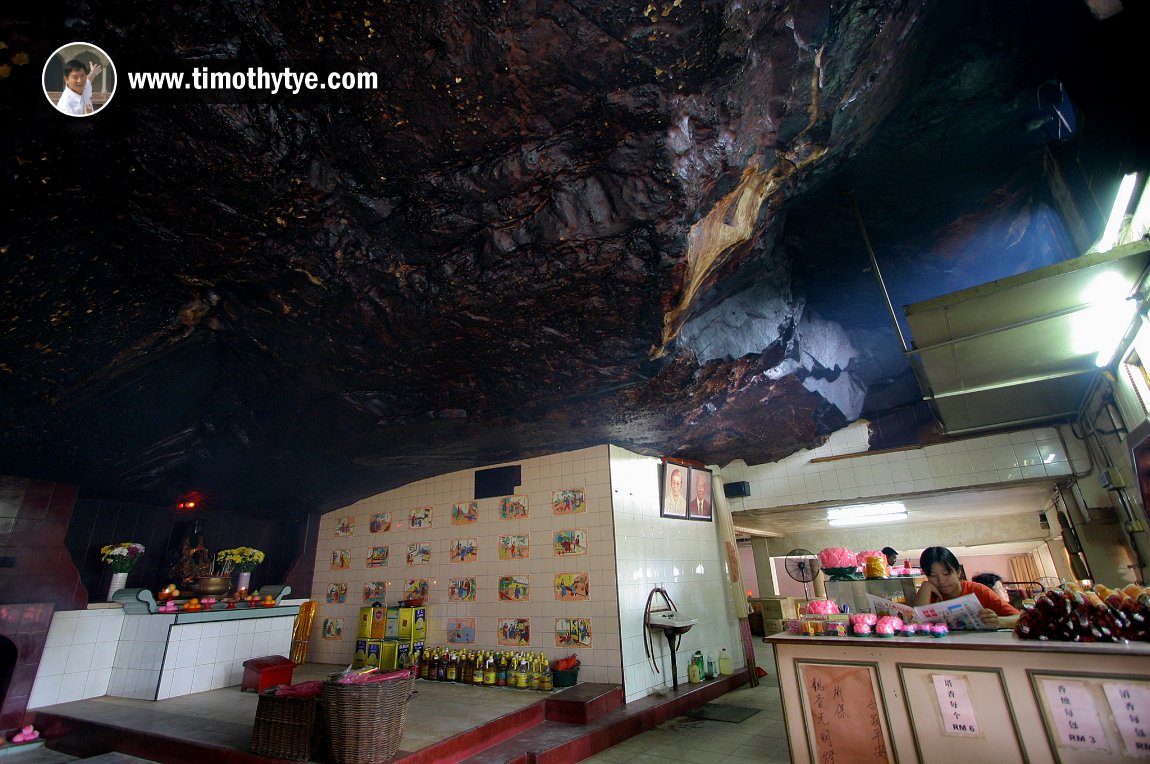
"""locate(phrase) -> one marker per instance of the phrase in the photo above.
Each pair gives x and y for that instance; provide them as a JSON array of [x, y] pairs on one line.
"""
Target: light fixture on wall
[[867, 514], [1117, 217], [1101, 326]]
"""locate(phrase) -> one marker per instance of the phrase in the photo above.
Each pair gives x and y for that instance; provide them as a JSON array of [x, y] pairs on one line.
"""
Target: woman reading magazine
[[944, 583]]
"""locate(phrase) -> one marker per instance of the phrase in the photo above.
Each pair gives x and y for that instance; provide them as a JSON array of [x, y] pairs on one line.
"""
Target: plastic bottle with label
[[726, 665]]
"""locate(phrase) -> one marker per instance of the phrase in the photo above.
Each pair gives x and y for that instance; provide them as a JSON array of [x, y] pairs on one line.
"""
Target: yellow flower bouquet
[[242, 558]]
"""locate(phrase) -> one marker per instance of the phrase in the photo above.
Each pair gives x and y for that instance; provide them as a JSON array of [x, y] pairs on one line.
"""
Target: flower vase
[[119, 581], [244, 582]]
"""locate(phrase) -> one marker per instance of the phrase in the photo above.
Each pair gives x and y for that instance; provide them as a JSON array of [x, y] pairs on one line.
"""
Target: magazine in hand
[[958, 613]]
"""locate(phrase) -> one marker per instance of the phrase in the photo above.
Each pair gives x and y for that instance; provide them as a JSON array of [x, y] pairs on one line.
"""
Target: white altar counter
[[164, 655], [967, 697]]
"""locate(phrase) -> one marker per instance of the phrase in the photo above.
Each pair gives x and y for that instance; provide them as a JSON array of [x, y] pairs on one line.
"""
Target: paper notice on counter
[[958, 613]]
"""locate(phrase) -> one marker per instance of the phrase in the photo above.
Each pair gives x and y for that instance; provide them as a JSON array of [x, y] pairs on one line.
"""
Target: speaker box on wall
[[734, 490]]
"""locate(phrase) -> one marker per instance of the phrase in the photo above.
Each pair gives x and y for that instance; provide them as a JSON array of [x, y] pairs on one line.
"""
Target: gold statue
[[195, 559]]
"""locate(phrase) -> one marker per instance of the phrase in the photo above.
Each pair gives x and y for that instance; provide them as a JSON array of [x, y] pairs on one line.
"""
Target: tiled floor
[[761, 738], [225, 716]]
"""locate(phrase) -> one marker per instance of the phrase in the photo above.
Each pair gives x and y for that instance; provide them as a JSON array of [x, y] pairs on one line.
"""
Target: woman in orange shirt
[[943, 582]]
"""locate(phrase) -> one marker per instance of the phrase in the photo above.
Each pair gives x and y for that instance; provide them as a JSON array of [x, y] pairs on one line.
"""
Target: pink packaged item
[[837, 557], [821, 607], [888, 626], [835, 628], [939, 629], [862, 624]]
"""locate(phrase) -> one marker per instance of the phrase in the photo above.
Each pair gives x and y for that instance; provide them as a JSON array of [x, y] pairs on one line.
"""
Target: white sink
[[670, 621]]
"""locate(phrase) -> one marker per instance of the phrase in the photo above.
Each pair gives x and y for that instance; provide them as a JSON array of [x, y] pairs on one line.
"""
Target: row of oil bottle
[[491, 668]]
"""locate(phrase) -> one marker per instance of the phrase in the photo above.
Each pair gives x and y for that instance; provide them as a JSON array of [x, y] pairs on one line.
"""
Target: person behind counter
[[992, 581], [944, 583]]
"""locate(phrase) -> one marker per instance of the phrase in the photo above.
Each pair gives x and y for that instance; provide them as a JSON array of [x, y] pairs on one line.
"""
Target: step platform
[[583, 703]]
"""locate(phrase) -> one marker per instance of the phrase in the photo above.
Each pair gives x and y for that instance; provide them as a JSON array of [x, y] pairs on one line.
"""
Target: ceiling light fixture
[[1101, 326], [867, 514]]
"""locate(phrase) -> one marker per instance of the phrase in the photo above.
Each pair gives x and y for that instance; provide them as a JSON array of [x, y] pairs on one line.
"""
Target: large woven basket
[[365, 721], [286, 728]]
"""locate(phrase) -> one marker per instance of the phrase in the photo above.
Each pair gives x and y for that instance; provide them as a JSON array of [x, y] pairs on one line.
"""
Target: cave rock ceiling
[[552, 225]]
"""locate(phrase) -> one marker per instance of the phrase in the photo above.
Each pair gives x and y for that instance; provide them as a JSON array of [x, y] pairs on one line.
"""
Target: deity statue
[[195, 559]]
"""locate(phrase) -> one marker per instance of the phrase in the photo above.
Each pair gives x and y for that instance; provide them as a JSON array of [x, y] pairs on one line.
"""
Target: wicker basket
[[365, 721], [286, 728]]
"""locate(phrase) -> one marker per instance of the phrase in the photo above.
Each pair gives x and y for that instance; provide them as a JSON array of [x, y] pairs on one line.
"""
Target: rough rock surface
[[553, 224]]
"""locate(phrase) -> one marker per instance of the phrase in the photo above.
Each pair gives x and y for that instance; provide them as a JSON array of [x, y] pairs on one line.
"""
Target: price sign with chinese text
[[953, 695], [1073, 715], [1130, 705]]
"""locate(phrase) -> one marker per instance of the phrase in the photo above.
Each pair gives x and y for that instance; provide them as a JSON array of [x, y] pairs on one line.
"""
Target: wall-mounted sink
[[671, 622]]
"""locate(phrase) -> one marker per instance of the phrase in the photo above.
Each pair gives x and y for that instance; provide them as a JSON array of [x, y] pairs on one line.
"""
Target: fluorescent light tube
[[866, 510], [867, 519], [1117, 213]]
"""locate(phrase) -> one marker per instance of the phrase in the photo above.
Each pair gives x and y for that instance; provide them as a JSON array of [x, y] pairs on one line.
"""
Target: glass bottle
[[546, 678], [477, 676], [451, 672], [425, 667], [441, 666], [503, 670], [490, 671]]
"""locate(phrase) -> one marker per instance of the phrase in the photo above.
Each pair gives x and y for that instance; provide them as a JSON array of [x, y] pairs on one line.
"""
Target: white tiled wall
[[1001, 458], [78, 656], [587, 469], [683, 557]]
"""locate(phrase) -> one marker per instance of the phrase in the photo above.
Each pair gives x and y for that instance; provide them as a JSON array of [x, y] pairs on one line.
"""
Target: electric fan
[[802, 565]]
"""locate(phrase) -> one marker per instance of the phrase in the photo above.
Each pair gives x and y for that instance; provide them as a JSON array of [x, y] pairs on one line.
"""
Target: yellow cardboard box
[[359, 659], [388, 654], [412, 623]]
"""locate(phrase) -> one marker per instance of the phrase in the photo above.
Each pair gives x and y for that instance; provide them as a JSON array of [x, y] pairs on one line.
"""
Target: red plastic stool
[[265, 672]]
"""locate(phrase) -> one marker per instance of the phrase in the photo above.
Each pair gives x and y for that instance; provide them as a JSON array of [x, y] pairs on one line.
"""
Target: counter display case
[[968, 697], [853, 593]]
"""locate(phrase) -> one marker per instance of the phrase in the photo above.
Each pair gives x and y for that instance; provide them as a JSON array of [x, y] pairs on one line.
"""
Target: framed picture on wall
[[699, 495], [673, 493]]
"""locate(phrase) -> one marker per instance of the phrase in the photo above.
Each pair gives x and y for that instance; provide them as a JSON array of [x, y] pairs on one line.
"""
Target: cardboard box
[[363, 628], [391, 630], [374, 649], [388, 654], [358, 660], [778, 608], [412, 623], [372, 623], [772, 626]]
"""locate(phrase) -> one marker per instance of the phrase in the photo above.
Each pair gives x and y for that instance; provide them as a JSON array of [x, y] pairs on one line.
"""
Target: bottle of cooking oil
[[424, 666], [504, 671], [477, 671], [533, 679], [452, 672], [466, 666], [522, 672], [490, 670], [441, 666], [546, 678]]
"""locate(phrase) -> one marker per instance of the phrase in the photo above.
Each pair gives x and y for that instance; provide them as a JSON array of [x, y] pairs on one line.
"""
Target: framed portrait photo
[[673, 493], [699, 495]]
